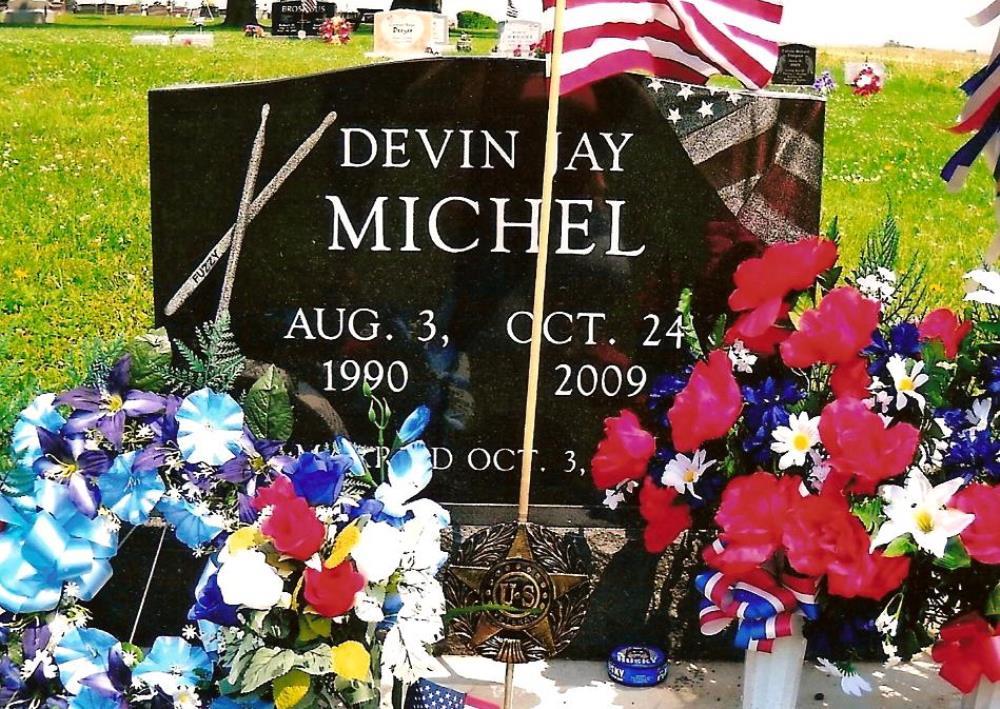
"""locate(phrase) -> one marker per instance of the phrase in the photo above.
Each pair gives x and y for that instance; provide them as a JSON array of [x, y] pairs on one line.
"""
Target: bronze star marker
[[538, 578]]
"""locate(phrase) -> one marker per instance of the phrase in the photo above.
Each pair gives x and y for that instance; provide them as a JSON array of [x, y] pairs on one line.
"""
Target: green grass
[[74, 201]]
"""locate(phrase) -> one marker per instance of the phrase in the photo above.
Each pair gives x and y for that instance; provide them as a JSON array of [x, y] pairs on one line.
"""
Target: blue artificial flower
[[90, 698], [664, 388], [366, 507], [209, 427], [210, 606], [192, 526], [904, 340], [391, 607], [766, 409], [319, 477], [410, 471], [347, 448], [413, 426], [173, 661], [82, 653], [11, 683], [258, 459], [954, 419], [41, 413], [989, 374], [130, 490], [971, 453], [67, 460]]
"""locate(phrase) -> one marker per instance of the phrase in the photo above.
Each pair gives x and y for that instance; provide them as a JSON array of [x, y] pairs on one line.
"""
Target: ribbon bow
[[47, 543], [968, 651], [764, 608]]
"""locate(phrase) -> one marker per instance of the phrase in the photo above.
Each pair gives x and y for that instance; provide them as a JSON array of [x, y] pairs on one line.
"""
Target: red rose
[[834, 332], [752, 517], [757, 332], [281, 490], [664, 520], [944, 325], [861, 447], [708, 406], [872, 576], [820, 534], [850, 380], [294, 528], [780, 270], [624, 453], [982, 537], [331, 591]]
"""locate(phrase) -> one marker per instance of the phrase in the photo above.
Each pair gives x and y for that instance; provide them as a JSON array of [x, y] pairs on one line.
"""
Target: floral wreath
[[320, 572], [867, 82]]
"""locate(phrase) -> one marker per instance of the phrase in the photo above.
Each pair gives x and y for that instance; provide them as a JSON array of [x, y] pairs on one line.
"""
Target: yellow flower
[[290, 689], [343, 545], [350, 660], [244, 539]]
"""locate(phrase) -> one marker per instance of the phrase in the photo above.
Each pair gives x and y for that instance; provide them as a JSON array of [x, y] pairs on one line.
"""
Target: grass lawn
[[74, 201]]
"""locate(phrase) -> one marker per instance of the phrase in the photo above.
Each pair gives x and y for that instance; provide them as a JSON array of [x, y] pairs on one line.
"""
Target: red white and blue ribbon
[[763, 608]]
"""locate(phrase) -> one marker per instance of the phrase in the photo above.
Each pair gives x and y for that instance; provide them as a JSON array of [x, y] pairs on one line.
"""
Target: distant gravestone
[[409, 33], [796, 65], [28, 12], [290, 17], [518, 36]]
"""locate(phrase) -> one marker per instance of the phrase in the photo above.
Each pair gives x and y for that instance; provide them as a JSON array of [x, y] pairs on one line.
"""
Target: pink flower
[[664, 520], [944, 325], [624, 453], [833, 333], [982, 537], [708, 406]]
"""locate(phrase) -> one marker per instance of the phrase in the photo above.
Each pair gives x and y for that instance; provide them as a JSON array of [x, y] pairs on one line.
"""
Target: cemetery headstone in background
[[400, 252], [288, 18], [796, 65], [518, 36], [28, 12], [409, 33]]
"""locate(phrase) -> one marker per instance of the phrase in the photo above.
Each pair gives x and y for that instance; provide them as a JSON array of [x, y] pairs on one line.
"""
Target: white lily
[[796, 440], [920, 509], [682, 473], [979, 415], [989, 292], [907, 381]]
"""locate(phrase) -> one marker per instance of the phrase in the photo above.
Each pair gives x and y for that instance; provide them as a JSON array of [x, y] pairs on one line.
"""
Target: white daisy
[[921, 510], [682, 473], [796, 440], [743, 359], [189, 632], [186, 698], [880, 285], [850, 681], [907, 381]]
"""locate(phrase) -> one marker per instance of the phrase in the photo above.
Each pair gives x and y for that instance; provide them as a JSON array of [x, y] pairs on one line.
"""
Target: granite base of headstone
[[28, 12], [405, 34], [517, 37]]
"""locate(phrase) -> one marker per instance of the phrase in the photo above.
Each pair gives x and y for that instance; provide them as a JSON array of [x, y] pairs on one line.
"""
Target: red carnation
[[752, 517], [821, 534], [850, 380], [834, 332], [281, 490], [944, 325], [708, 406], [331, 591], [624, 453], [871, 576], [860, 444], [757, 331], [982, 537], [294, 528], [781, 269], [664, 520]]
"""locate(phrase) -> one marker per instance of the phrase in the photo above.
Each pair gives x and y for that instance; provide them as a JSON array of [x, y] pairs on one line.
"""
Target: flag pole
[[538, 306]]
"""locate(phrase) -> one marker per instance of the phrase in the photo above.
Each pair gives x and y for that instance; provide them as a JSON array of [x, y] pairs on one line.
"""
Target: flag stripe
[[583, 39], [721, 49], [610, 56]]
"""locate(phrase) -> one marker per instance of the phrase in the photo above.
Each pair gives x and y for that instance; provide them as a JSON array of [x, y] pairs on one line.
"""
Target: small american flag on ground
[[762, 153], [686, 40], [428, 695]]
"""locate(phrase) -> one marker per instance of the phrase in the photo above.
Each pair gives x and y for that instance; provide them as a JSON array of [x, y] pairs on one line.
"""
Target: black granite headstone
[[796, 65], [399, 252], [290, 17]]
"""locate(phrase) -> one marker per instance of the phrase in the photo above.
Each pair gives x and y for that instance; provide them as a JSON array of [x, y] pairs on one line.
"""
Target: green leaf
[[151, 356], [317, 661], [17, 481], [869, 511], [266, 665], [718, 333], [268, 407], [804, 302], [687, 324], [900, 546], [955, 556], [993, 602]]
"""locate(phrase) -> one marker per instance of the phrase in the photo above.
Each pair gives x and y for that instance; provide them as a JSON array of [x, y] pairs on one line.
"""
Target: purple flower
[[903, 340], [972, 453], [107, 407], [113, 683], [210, 606], [258, 459], [318, 477], [10, 681], [66, 460]]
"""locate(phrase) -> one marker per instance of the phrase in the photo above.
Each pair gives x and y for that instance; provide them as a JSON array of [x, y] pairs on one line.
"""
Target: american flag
[[511, 10], [686, 40], [763, 154], [309, 6], [428, 695]]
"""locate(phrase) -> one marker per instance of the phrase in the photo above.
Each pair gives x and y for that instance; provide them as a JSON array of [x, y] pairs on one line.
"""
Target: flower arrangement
[[253, 31], [845, 449], [866, 82], [320, 565], [336, 30], [825, 84]]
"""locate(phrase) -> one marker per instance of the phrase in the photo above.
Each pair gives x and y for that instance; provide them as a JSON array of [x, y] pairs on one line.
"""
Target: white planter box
[[771, 680], [985, 696]]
